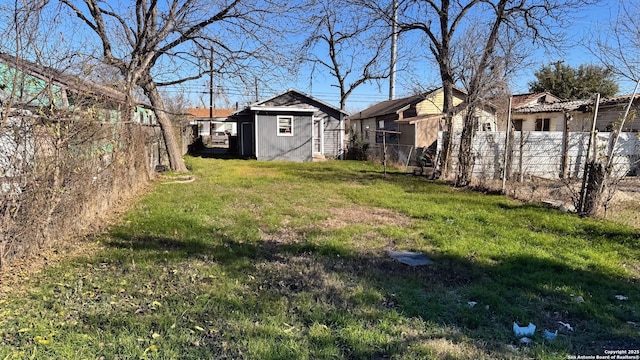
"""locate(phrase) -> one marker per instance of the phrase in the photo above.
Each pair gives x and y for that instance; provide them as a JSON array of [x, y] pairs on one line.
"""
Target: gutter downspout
[[342, 130], [255, 133]]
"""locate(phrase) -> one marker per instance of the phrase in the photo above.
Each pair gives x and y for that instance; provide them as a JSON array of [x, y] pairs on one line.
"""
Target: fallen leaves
[[42, 341]]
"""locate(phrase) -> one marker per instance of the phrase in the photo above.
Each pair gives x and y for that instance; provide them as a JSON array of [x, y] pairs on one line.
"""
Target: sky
[[580, 31], [581, 28]]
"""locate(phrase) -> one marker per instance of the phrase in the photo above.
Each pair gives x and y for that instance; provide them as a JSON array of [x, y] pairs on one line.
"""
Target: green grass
[[270, 260]]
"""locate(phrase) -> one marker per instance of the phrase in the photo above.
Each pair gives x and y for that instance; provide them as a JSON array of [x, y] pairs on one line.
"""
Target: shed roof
[[300, 93]]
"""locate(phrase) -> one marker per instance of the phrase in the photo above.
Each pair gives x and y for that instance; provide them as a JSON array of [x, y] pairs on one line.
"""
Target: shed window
[[542, 124], [285, 125]]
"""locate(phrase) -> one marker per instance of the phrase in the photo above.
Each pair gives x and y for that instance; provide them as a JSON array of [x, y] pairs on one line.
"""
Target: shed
[[291, 126]]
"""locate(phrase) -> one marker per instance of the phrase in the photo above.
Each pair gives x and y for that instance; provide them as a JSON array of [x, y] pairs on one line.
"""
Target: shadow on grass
[[522, 289], [326, 172]]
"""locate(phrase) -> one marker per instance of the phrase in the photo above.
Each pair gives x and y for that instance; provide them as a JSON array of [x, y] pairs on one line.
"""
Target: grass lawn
[[265, 260]]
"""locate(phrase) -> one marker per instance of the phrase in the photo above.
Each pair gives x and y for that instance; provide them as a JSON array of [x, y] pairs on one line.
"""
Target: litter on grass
[[523, 330], [566, 325], [621, 297], [578, 299], [550, 335], [526, 340], [472, 303], [410, 258]]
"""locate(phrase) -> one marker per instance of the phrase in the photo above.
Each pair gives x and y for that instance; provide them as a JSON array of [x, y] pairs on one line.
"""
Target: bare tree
[[155, 44], [442, 22], [351, 47], [619, 50]]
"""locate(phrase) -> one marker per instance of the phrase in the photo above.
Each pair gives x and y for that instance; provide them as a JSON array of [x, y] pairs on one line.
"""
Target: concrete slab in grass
[[410, 258]]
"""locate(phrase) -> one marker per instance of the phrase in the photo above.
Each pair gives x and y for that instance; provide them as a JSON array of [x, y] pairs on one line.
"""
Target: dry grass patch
[[360, 215]]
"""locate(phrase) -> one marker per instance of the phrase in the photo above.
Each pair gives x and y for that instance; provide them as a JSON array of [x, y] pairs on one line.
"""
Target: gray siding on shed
[[301, 146], [331, 118], [332, 145], [270, 146]]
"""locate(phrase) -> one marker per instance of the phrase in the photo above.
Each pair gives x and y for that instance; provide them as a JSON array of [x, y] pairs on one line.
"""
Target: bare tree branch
[[174, 34], [345, 43]]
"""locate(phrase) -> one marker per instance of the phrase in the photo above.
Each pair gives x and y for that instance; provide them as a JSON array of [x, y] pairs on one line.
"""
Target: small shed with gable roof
[[291, 126]]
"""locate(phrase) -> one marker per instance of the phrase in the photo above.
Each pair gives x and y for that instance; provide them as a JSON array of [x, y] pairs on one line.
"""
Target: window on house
[[517, 124], [381, 124], [228, 127], [285, 125], [542, 124]]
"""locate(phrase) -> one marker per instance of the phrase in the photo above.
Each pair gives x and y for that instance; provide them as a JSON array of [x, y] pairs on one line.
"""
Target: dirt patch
[[340, 218], [361, 215]]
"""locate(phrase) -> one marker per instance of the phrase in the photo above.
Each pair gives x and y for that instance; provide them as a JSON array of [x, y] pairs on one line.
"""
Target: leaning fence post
[[506, 147], [583, 188]]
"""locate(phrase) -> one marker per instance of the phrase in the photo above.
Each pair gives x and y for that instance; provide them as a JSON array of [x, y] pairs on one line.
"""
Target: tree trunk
[[447, 109], [593, 192], [465, 156], [168, 132]]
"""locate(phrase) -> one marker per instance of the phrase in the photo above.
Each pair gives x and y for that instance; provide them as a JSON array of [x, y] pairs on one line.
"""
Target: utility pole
[[394, 51], [211, 85], [256, 85]]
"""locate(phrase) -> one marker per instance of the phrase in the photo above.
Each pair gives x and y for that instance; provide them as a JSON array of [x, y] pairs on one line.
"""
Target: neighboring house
[[35, 87], [575, 116], [34, 94], [611, 111], [291, 126], [551, 117], [210, 121], [418, 118]]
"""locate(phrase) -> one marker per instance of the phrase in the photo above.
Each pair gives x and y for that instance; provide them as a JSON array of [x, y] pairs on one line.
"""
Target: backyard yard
[[269, 260]]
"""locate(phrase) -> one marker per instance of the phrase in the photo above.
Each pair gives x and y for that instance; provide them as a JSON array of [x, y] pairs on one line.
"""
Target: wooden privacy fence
[[545, 155]]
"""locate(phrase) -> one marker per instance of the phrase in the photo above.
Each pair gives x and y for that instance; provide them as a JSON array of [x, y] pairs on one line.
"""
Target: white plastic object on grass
[[621, 297], [566, 325], [526, 340], [523, 330]]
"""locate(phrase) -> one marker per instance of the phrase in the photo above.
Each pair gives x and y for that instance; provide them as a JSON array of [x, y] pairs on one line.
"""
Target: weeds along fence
[[62, 173], [396, 155], [547, 155]]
